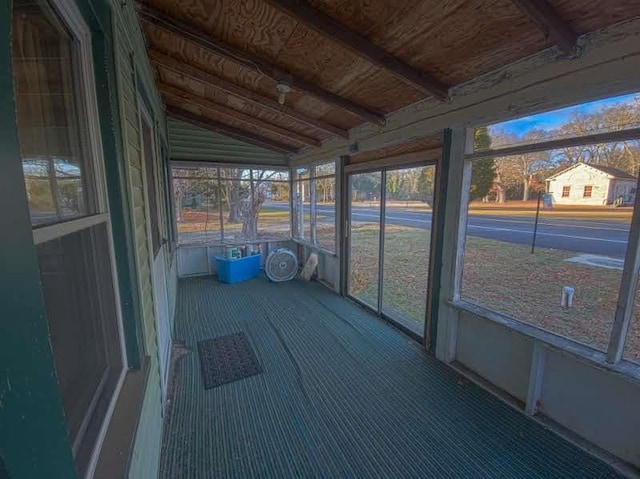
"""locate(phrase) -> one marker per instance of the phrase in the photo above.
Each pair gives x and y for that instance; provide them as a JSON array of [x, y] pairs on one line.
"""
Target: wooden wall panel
[[200, 90], [253, 26], [380, 21], [454, 41], [332, 65], [478, 37], [422, 144], [589, 15], [199, 57]]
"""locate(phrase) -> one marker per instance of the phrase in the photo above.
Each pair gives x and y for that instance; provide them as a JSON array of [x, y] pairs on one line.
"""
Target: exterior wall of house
[[576, 179], [33, 439], [136, 90], [38, 444]]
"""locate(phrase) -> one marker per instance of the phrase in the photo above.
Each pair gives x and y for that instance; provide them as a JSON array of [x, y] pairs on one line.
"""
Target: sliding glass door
[[364, 237], [389, 232]]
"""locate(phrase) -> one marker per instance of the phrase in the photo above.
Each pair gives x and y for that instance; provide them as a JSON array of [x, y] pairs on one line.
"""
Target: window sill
[[627, 369]]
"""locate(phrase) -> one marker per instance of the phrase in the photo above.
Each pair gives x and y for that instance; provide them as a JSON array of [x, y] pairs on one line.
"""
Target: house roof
[[607, 170], [222, 64], [614, 172]]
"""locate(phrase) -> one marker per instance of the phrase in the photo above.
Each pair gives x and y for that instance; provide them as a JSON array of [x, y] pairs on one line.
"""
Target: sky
[[553, 119]]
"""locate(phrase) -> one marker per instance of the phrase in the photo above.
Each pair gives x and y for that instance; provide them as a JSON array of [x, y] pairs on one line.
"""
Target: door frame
[[383, 166]]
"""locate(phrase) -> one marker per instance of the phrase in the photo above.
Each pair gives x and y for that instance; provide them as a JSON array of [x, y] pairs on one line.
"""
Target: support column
[[628, 287], [450, 218], [342, 226]]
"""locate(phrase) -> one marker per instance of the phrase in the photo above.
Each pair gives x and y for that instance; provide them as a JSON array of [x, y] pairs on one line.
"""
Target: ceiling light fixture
[[283, 89]]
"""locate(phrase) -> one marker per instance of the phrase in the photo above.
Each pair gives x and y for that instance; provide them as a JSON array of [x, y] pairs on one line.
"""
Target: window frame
[[313, 196], [587, 191], [612, 358], [566, 191], [177, 165], [74, 21]]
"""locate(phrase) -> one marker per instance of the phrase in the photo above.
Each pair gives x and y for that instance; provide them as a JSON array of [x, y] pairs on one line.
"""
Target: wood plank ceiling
[[347, 62]]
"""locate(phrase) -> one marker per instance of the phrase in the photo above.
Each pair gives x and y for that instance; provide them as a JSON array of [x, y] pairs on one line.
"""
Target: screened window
[[563, 272], [65, 188], [231, 204], [55, 157], [315, 205]]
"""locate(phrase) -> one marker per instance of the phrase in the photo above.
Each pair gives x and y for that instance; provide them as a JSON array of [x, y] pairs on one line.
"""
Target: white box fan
[[281, 265]]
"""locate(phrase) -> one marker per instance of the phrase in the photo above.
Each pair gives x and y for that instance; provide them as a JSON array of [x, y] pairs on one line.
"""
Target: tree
[[483, 171], [517, 172], [425, 184]]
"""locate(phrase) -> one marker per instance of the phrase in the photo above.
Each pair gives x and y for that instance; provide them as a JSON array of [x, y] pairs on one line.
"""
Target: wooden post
[[535, 378], [451, 219], [312, 206], [342, 246], [628, 287]]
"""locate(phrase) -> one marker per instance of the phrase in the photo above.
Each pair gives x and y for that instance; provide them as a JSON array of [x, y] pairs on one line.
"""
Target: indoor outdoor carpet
[[342, 395]]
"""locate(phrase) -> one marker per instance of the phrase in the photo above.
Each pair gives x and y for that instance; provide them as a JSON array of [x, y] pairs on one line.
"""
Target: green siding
[[189, 142], [136, 85], [145, 457]]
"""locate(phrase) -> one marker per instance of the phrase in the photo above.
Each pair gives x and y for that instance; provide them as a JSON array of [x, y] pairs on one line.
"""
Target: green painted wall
[[189, 142], [136, 88], [33, 435]]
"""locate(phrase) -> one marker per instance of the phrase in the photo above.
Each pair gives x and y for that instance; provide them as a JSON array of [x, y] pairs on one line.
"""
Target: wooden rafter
[[556, 29], [331, 28], [178, 113], [217, 108], [217, 46], [213, 81], [250, 96]]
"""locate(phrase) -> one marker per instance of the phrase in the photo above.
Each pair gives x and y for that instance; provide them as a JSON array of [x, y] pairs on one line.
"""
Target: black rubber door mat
[[227, 359]]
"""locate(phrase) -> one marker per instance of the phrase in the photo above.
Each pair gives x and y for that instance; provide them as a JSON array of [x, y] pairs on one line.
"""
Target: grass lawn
[[499, 276], [199, 226], [575, 212], [406, 268], [523, 208]]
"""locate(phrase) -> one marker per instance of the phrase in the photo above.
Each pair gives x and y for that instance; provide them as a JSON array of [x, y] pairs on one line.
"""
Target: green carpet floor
[[342, 395]]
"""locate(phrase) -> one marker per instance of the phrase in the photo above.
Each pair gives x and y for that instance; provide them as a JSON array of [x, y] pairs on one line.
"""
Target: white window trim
[[295, 234]]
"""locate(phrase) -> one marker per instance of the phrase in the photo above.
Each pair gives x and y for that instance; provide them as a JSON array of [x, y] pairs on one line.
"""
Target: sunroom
[[283, 238]]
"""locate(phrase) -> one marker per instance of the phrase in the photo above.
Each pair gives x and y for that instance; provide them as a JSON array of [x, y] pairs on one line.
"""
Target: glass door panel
[[364, 237], [407, 232]]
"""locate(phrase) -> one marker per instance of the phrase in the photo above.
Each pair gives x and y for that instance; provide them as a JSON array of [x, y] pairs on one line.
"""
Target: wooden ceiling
[[347, 61]]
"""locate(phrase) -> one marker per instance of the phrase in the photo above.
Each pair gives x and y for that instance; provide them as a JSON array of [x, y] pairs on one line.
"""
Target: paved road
[[582, 236]]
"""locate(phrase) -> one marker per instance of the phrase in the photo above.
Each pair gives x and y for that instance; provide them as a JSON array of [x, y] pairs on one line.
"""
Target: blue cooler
[[238, 269]]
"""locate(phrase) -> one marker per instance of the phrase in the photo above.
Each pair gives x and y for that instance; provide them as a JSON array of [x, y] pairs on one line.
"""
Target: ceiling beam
[[331, 28], [217, 46], [178, 113], [555, 28], [186, 96], [250, 96]]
